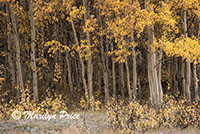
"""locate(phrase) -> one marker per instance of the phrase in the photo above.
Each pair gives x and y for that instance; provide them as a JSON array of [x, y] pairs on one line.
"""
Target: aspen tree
[[196, 87], [10, 50], [154, 83], [187, 64], [104, 59], [89, 62], [134, 68], [20, 82], [113, 73], [33, 60]]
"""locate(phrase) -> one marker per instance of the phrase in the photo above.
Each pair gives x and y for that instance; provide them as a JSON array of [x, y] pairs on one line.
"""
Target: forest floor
[[87, 123]]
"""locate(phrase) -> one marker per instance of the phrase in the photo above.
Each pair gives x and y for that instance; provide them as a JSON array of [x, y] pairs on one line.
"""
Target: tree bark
[[10, 51], [182, 63], [121, 79], [176, 83], [69, 74], [82, 68], [99, 73], [128, 79], [196, 87], [20, 82], [188, 80], [156, 92], [105, 72], [159, 69], [78, 70], [89, 62], [134, 69], [104, 59], [33, 60], [188, 66], [113, 73]]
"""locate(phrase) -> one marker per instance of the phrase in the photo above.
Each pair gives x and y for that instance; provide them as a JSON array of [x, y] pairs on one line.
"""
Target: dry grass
[[93, 123]]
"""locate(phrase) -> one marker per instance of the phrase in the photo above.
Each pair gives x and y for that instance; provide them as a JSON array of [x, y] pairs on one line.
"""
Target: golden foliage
[[57, 72], [90, 24], [132, 116], [54, 46], [86, 49], [76, 13], [187, 48], [52, 104]]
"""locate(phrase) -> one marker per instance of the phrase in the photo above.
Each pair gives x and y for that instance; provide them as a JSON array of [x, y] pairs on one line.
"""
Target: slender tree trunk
[[85, 83], [20, 82], [113, 73], [78, 71], [176, 84], [139, 78], [90, 79], [196, 87], [89, 62], [69, 74], [106, 88], [99, 79], [188, 80], [62, 70], [134, 69], [105, 72], [104, 58], [82, 68], [188, 66], [182, 63], [121, 79], [99, 73], [65, 78], [170, 70], [64, 65], [159, 69], [33, 61], [139, 89], [10, 52], [128, 79], [183, 75], [74, 67]]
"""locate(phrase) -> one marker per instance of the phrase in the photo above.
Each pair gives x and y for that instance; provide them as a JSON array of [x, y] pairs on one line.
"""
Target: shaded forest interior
[[99, 49]]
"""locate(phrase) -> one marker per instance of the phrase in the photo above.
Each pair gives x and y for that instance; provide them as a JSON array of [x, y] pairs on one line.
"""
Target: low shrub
[[132, 116]]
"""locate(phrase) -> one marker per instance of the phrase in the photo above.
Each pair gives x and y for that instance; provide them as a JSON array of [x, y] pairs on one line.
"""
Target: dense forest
[[93, 51]]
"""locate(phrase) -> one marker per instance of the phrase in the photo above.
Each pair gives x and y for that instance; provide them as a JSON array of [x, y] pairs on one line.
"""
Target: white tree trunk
[[188, 66], [156, 92]]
